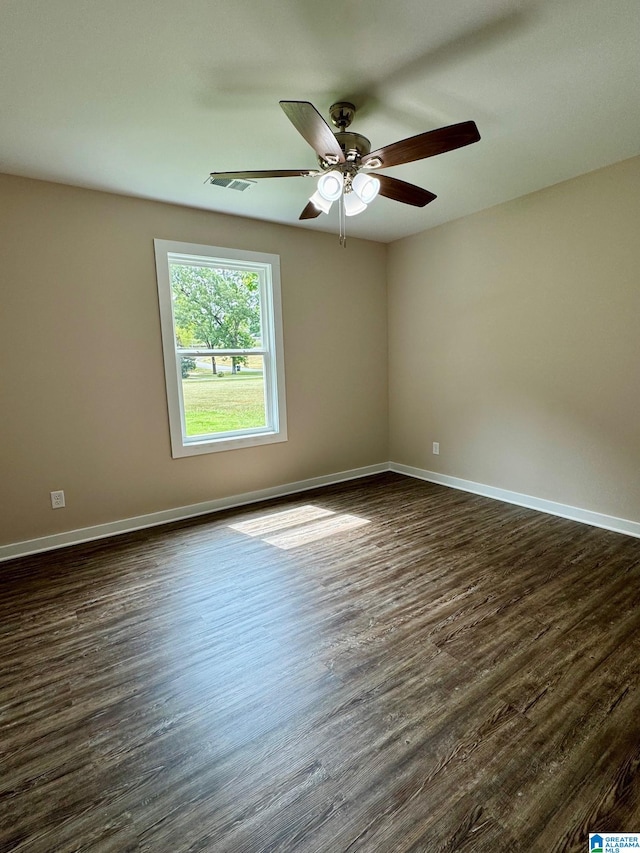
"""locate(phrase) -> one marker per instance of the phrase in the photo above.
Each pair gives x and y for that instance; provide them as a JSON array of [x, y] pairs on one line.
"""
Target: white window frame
[[267, 267]]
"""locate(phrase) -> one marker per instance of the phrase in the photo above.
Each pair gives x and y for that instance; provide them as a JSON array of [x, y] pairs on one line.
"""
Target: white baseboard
[[586, 516], [128, 525]]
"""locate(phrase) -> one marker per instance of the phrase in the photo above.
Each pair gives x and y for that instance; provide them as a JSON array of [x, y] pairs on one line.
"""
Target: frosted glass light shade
[[353, 204], [321, 203], [330, 185], [366, 187]]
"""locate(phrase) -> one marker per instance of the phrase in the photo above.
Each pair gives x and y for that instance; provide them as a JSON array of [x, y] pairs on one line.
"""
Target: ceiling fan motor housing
[[355, 147]]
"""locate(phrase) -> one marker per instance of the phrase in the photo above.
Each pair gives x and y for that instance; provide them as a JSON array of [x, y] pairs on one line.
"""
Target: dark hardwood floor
[[384, 665]]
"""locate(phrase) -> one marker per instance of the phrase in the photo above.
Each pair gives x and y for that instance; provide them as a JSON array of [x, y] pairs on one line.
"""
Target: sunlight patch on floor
[[294, 527], [279, 520]]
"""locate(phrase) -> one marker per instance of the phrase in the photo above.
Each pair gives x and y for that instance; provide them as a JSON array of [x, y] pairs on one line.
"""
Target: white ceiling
[[146, 97]]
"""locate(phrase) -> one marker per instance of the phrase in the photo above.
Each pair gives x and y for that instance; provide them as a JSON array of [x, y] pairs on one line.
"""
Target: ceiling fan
[[346, 161]]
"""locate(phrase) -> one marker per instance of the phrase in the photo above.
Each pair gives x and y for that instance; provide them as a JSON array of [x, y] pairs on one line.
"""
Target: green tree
[[216, 308], [186, 364]]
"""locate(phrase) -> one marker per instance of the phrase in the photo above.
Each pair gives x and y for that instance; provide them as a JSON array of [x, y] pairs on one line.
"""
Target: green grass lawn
[[223, 403]]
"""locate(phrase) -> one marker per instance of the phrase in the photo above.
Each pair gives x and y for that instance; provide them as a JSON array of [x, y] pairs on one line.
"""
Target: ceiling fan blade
[[309, 123], [425, 145], [404, 192], [273, 173], [310, 211]]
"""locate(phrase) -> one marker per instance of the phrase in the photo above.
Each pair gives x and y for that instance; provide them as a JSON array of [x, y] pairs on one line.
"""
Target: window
[[222, 339]]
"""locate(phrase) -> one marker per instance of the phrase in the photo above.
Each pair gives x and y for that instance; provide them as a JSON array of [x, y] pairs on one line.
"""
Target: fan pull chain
[[343, 222]]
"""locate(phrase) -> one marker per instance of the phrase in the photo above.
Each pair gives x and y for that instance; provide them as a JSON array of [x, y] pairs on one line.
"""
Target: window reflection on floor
[[300, 526]]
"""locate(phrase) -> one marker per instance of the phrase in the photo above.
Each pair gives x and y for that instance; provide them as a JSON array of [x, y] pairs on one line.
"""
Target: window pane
[[216, 307], [223, 394]]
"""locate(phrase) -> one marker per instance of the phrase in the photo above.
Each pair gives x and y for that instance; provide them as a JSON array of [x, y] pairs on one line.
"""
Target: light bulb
[[366, 187], [321, 203], [330, 185], [353, 204]]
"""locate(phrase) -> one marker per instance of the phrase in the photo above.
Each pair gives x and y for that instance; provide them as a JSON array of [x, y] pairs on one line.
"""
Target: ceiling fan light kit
[[346, 160], [330, 185], [320, 202], [366, 187], [353, 204]]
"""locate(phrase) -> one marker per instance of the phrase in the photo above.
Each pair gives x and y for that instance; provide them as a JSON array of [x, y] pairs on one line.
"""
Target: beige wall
[[82, 383], [514, 341]]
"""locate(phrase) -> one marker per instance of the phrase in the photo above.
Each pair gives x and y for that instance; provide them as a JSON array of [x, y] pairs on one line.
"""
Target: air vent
[[232, 184]]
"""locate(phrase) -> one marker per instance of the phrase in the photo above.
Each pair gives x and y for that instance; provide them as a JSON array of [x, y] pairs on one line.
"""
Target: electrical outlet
[[57, 500], [436, 447]]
